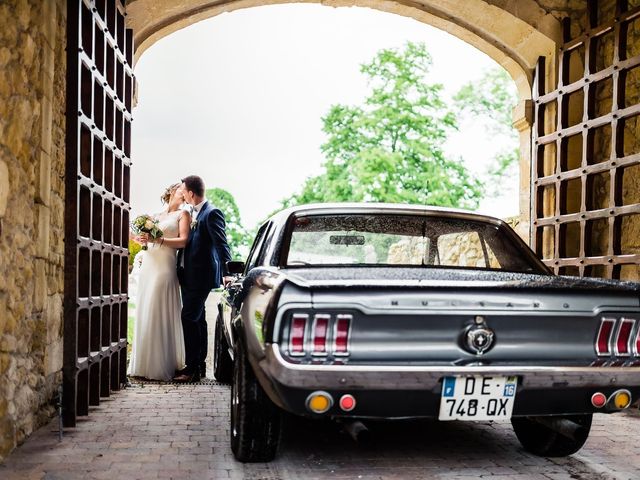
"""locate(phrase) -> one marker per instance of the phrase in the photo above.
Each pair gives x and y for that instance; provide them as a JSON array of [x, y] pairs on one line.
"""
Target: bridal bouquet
[[146, 224]]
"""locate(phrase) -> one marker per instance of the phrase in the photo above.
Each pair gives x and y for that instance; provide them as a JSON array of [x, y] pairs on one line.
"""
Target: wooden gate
[[99, 93], [586, 156]]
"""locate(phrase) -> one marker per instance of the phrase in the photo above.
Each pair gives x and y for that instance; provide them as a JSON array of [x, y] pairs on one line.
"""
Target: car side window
[[268, 238], [254, 254]]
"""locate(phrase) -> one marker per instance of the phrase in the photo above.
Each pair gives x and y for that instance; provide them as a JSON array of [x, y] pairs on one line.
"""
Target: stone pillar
[[522, 121]]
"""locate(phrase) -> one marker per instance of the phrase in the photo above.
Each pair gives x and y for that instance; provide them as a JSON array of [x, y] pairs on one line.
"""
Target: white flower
[[148, 224], [194, 224]]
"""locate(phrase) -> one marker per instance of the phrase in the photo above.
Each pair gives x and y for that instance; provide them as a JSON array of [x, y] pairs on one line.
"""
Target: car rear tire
[[222, 362], [255, 421], [541, 440]]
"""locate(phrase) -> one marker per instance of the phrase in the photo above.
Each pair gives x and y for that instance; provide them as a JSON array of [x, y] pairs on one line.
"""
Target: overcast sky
[[238, 99]]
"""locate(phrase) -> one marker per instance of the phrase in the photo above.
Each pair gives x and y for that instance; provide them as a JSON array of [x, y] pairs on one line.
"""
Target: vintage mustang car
[[374, 311]]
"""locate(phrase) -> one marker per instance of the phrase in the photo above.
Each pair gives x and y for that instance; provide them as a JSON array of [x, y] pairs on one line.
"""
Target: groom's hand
[[226, 281]]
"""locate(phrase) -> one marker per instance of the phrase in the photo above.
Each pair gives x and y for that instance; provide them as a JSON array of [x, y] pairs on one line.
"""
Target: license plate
[[477, 398]]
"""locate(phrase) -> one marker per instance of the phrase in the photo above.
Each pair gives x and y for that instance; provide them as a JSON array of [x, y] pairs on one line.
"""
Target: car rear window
[[406, 240]]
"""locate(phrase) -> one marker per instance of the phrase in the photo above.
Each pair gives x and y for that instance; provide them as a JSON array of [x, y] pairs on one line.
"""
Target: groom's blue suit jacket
[[206, 253]]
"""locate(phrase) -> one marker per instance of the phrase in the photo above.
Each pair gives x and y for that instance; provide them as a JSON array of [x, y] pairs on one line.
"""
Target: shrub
[[134, 249]]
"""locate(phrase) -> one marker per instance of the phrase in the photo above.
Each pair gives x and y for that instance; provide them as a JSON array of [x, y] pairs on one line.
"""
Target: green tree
[[390, 149], [237, 236], [491, 100], [134, 249]]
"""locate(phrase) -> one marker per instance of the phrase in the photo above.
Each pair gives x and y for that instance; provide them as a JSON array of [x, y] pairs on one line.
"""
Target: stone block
[[5, 56], [9, 325], [4, 187], [7, 435], [8, 343], [3, 309], [28, 49], [42, 240], [5, 363], [46, 115], [523, 116], [23, 14], [53, 317], [43, 191], [49, 23], [40, 285], [53, 357]]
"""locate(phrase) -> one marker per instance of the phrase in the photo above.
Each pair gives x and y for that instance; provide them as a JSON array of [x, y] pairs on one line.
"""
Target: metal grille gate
[[584, 151], [99, 93]]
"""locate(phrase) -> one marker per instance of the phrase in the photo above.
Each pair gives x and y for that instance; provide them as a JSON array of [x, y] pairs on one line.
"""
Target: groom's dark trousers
[[194, 325], [201, 266]]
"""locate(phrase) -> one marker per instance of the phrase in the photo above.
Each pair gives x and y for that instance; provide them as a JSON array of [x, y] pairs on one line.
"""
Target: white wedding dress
[[158, 341]]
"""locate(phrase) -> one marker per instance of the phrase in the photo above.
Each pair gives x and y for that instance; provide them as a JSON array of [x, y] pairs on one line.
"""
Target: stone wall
[[32, 159], [454, 249], [630, 177]]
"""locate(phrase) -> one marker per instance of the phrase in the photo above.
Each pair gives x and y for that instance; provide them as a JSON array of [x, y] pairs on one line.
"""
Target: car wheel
[[222, 362], [255, 420], [541, 440]]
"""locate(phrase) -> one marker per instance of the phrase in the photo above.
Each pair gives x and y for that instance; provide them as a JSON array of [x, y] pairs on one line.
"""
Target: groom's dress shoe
[[187, 377]]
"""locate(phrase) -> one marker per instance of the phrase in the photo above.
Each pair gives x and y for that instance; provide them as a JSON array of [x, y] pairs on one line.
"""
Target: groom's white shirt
[[196, 209]]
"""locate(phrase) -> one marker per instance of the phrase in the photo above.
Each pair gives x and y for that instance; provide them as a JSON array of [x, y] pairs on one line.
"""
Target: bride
[[158, 341]]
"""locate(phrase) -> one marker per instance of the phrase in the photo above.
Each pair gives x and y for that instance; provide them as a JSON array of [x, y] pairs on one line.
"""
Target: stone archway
[[515, 36], [100, 60]]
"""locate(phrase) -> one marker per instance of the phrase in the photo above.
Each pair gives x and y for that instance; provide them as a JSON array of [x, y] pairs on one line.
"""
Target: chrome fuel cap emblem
[[480, 338]]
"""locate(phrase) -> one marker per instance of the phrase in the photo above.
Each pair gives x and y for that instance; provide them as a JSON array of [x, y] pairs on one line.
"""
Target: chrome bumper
[[385, 377]]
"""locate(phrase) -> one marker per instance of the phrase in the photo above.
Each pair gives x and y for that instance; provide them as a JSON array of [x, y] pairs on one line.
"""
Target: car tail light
[[598, 400], [620, 399], [319, 402], [319, 334], [603, 340], [297, 334], [347, 402], [341, 338], [624, 336], [637, 342]]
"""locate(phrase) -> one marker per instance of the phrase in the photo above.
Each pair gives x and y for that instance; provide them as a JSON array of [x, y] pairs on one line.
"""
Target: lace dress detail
[[158, 342]]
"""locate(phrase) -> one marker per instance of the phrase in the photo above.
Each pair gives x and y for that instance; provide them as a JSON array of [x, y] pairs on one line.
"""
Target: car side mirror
[[235, 267]]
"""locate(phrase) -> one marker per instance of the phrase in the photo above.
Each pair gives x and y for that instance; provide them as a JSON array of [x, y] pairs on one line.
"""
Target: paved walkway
[[181, 431]]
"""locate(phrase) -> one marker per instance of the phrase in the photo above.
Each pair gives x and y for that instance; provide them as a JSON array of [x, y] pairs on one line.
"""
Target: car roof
[[379, 208]]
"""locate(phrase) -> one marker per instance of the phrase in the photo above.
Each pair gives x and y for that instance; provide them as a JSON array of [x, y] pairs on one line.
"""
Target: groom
[[202, 266]]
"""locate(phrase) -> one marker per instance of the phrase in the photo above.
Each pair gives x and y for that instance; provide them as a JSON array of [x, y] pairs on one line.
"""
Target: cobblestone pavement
[[181, 431]]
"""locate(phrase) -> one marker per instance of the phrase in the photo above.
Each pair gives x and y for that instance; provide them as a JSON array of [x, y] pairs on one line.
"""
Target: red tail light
[[297, 335], [603, 340], [624, 335], [341, 338], [320, 329], [598, 400], [637, 352]]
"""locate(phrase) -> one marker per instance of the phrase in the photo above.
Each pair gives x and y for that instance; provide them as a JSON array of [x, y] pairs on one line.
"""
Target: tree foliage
[[492, 99], [237, 235], [390, 148], [134, 249]]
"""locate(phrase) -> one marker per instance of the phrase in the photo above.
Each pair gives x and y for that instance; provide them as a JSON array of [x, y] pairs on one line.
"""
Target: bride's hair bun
[[166, 196]]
